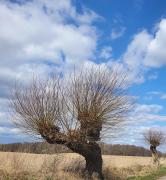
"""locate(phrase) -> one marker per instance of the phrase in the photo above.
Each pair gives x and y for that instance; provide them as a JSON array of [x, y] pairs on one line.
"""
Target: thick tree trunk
[[94, 165], [93, 157], [91, 151], [155, 158], [154, 155]]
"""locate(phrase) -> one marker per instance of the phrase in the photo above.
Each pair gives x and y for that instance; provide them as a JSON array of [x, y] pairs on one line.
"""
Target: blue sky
[[45, 36], [133, 15]]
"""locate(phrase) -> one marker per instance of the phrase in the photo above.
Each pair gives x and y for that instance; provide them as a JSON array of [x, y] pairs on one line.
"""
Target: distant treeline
[[124, 150], [45, 148]]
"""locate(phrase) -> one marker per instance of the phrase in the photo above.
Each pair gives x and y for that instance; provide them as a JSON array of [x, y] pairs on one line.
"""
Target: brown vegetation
[[69, 166]]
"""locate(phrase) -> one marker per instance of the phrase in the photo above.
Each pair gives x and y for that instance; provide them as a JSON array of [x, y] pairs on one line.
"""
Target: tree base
[[92, 153]]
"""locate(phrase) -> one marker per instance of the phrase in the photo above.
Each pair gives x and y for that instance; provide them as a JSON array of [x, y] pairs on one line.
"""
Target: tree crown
[[154, 137], [78, 107]]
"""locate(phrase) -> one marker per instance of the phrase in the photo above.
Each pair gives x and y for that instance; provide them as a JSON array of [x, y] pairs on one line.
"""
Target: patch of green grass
[[48, 178], [152, 176]]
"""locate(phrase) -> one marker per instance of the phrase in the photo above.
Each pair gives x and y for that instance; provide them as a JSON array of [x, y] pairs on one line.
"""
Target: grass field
[[69, 166]]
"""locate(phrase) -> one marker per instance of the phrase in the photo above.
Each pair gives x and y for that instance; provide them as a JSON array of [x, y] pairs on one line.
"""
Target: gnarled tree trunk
[[94, 164], [92, 153], [154, 155]]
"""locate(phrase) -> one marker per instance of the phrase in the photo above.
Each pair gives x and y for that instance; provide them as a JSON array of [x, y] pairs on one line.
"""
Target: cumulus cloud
[[39, 37], [38, 30], [36, 35], [145, 51], [156, 54], [134, 56]]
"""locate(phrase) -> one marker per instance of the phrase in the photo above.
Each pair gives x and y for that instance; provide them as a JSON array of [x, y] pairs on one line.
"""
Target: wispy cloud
[[163, 96], [138, 4], [143, 118], [106, 52], [117, 32], [153, 76], [159, 94]]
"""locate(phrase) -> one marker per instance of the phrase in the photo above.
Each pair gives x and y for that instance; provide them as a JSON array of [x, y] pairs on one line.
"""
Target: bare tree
[[154, 138], [75, 111]]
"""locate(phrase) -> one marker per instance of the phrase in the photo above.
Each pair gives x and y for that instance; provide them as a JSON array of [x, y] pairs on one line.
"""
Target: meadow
[[69, 166]]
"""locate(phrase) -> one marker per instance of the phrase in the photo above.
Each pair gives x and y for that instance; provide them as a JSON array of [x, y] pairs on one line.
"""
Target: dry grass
[[68, 166]]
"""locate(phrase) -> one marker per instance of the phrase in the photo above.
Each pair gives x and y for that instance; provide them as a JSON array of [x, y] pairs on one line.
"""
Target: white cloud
[[144, 108], [153, 76], [134, 56], [106, 52], [160, 95], [39, 34], [25, 37], [38, 37], [4, 130], [147, 114], [156, 54], [117, 32], [163, 96], [154, 92], [143, 118], [145, 51]]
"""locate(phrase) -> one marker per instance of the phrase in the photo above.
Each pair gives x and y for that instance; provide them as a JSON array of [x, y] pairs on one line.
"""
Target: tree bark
[[94, 165], [92, 153], [155, 158], [154, 155]]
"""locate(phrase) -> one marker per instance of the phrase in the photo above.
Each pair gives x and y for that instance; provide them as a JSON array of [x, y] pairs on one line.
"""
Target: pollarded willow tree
[[154, 138], [73, 111]]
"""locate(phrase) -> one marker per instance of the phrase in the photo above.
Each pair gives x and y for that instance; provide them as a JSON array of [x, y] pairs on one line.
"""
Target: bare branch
[[79, 107], [98, 100], [36, 106], [154, 137]]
